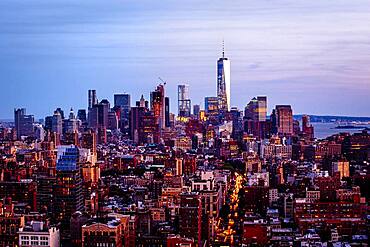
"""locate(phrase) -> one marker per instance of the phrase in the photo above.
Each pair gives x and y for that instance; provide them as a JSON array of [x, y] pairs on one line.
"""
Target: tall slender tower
[[92, 98], [223, 82]]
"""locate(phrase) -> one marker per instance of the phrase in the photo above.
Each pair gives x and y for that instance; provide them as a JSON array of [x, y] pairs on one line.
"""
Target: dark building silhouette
[[123, 102], [23, 123], [68, 189]]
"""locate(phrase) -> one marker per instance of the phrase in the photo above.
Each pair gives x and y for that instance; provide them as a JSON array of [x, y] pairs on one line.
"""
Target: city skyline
[[184, 123], [313, 60]]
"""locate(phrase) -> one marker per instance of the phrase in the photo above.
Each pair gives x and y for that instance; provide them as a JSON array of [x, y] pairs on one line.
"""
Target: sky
[[314, 55]]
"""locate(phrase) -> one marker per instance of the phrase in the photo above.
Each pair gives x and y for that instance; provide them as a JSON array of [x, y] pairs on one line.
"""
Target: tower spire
[[223, 48]]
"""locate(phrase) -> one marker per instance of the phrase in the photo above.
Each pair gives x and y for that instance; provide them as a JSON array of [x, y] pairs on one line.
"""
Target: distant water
[[323, 130]]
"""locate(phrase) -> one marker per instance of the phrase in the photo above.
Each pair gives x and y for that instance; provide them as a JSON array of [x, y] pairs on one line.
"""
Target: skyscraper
[[142, 102], [57, 123], [61, 112], [237, 119], [98, 114], [307, 128], [167, 112], [112, 120], [256, 109], [196, 109], [211, 106], [23, 123], [184, 103], [157, 104], [68, 190], [255, 117], [92, 117], [284, 117], [136, 115], [81, 115], [71, 124], [223, 82], [92, 98], [103, 110], [123, 102]]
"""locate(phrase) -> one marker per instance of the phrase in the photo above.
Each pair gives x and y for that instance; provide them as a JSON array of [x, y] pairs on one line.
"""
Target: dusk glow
[[312, 54], [195, 123]]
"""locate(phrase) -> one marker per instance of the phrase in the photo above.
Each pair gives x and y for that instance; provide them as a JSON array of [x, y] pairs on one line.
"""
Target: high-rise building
[[237, 120], [223, 82], [103, 110], [284, 120], [157, 104], [184, 103], [342, 167], [256, 109], [149, 130], [92, 117], [70, 125], [144, 127], [39, 132], [136, 114], [98, 115], [57, 123], [262, 108], [68, 196], [81, 115], [45, 197], [112, 120], [307, 128], [92, 100], [61, 112], [142, 102], [48, 123], [167, 120], [211, 105], [23, 123], [143, 124], [123, 102], [196, 110], [273, 119], [255, 117]]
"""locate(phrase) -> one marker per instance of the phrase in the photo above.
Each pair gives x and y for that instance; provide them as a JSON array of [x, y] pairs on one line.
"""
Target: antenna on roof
[[223, 48]]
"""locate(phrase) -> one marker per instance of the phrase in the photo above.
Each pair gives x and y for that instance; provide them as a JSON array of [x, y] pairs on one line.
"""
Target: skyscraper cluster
[[123, 174]]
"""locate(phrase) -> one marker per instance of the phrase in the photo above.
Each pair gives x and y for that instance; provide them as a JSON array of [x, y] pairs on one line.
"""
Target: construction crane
[[164, 82]]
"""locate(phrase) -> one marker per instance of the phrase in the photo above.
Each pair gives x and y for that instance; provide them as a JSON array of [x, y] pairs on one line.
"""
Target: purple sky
[[314, 55]]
